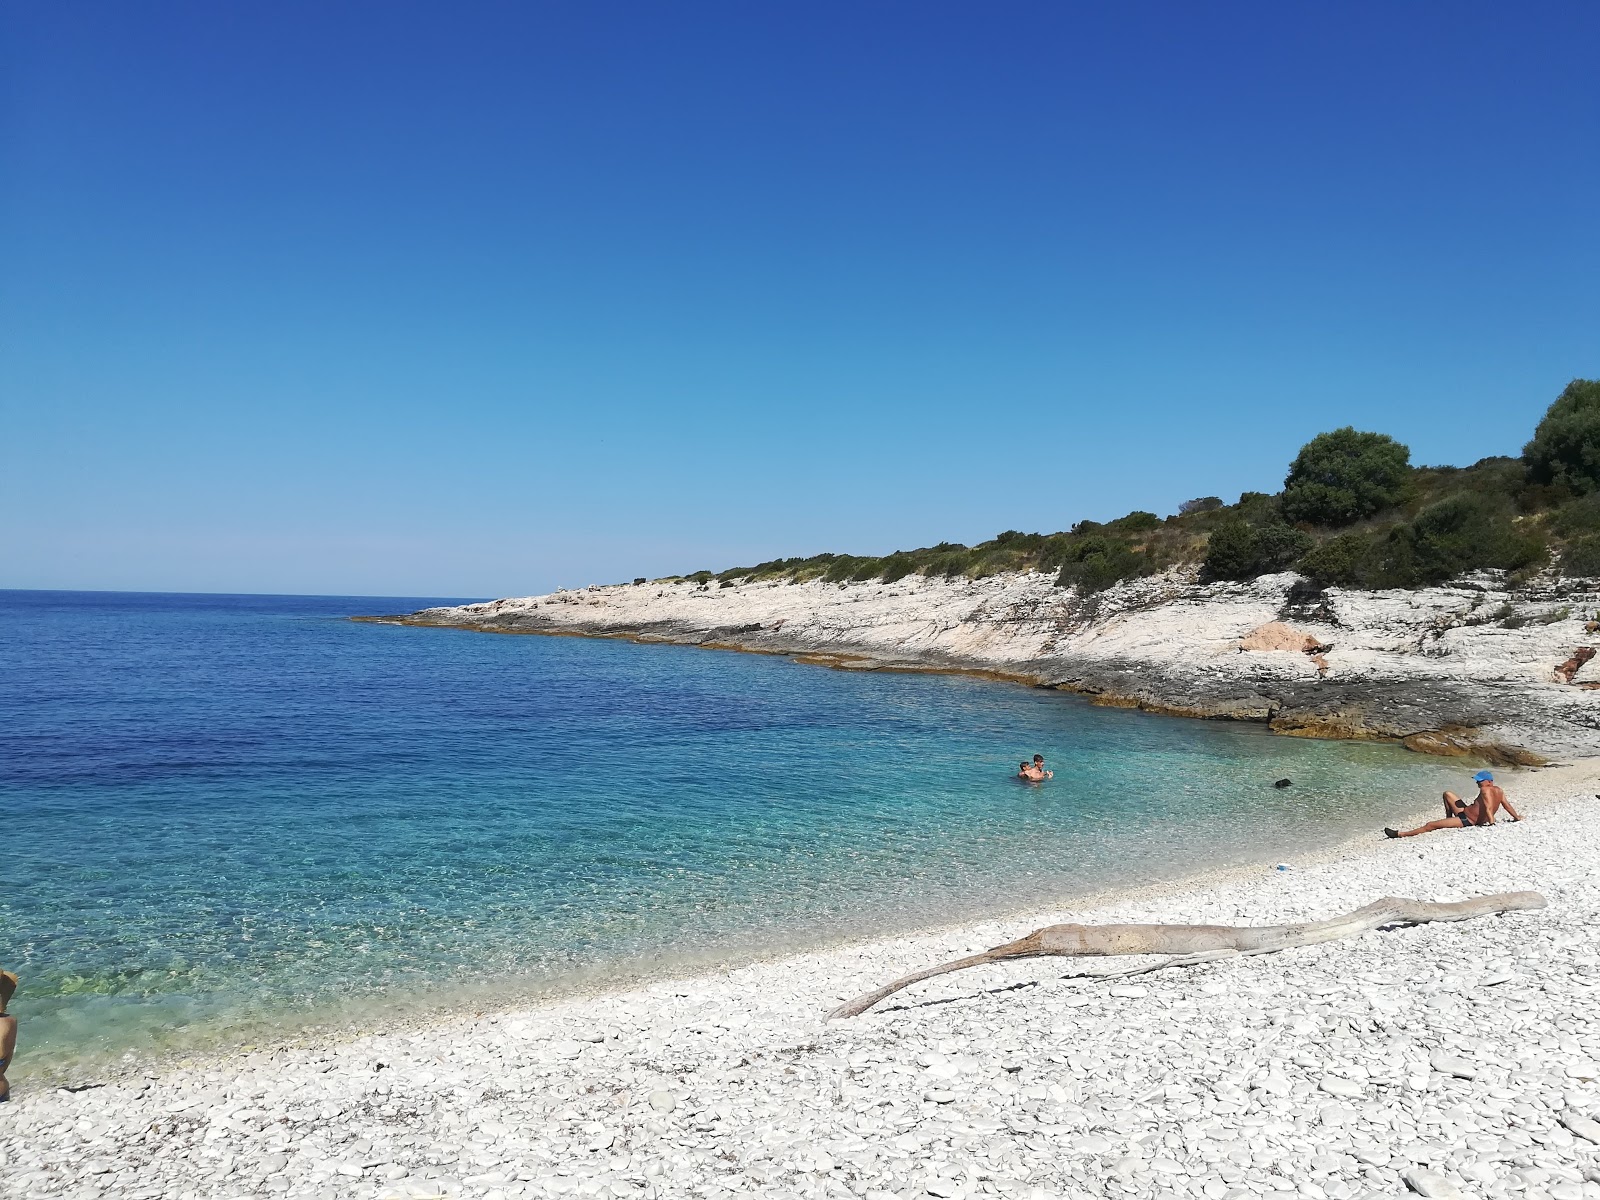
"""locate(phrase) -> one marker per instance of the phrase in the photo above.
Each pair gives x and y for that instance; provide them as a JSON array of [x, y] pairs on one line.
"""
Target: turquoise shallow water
[[230, 816]]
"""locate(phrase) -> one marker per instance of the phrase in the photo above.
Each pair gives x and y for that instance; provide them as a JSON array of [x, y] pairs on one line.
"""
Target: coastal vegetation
[[1353, 512]]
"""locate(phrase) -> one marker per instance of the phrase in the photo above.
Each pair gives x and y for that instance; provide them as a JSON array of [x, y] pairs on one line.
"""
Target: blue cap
[[1483, 777]]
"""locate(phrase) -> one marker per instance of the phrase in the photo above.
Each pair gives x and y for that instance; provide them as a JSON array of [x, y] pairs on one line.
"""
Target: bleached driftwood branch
[[1205, 943]]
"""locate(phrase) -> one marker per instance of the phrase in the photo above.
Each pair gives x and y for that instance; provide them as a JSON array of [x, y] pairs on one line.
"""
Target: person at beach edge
[[1460, 814], [8, 1031]]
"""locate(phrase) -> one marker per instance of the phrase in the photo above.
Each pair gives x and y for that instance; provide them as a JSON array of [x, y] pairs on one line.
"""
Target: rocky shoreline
[[1464, 669], [1458, 1060]]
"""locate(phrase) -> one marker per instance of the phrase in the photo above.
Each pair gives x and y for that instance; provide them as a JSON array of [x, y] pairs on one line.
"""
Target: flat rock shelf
[[1466, 669]]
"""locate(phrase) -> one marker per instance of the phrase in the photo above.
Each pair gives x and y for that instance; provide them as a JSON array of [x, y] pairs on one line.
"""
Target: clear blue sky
[[483, 299]]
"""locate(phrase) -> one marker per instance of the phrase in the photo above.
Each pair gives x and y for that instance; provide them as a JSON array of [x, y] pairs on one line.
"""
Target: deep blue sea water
[[226, 817]]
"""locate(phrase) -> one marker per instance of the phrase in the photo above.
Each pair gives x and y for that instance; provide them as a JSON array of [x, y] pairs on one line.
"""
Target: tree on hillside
[[1340, 477], [1566, 445]]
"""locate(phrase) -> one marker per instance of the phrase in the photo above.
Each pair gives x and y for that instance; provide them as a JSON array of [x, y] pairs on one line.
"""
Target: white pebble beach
[[1445, 1058]]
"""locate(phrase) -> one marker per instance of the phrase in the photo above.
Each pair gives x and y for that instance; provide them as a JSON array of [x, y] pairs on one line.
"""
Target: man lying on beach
[[8, 1031], [1459, 814]]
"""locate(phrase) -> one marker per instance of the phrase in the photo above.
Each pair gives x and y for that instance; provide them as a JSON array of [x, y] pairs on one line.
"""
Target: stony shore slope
[[1464, 668], [1461, 1058]]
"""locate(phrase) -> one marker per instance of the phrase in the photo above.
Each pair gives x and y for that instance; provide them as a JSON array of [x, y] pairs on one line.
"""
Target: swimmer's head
[[1038, 758]]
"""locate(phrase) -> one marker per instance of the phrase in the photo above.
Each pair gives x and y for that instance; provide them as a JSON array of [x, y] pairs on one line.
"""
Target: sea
[[232, 821]]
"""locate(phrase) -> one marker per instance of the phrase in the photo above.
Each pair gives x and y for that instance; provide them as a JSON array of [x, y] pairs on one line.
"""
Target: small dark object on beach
[[1283, 783]]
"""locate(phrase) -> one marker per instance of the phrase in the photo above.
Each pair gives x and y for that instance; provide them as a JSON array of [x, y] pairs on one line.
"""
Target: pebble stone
[[1450, 1060]]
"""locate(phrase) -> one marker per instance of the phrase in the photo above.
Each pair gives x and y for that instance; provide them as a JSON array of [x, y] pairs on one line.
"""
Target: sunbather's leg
[[1430, 827]]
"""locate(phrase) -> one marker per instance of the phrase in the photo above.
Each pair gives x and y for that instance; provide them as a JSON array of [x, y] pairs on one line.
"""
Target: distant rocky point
[[1470, 668]]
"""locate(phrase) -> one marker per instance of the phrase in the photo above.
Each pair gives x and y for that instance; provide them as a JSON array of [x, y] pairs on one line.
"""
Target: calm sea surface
[[227, 816]]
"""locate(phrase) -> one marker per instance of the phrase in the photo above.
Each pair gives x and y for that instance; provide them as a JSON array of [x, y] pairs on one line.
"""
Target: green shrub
[[1343, 560], [1566, 445], [1460, 533], [1278, 546], [948, 565], [1200, 504], [897, 566], [1057, 549], [840, 569], [1013, 539], [866, 568], [1135, 522], [1231, 551], [1103, 568], [1581, 558], [1340, 477], [1465, 532], [1239, 550], [1257, 507], [1579, 517]]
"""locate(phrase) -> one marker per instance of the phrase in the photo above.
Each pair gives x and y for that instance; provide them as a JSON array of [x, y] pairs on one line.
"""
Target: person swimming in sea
[[1464, 814], [8, 1031], [1034, 771]]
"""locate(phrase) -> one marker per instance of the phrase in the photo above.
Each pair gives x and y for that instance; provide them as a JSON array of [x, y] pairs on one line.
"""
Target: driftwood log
[[1206, 943]]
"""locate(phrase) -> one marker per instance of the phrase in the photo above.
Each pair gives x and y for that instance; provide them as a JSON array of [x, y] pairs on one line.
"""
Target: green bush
[[1239, 550], [897, 566], [1098, 562], [948, 565], [1097, 572], [1013, 539], [1340, 477], [1343, 560], [1277, 547], [1465, 532], [1200, 504], [865, 569], [1566, 445], [1581, 558], [1579, 517], [1231, 551], [1057, 549], [1257, 507], [1135, 522]]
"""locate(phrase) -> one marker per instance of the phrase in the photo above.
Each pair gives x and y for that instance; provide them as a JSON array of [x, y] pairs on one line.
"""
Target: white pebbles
[[1448, 1059]]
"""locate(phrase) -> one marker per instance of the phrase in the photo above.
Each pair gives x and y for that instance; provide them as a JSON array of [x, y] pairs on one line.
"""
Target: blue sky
[[484, 299]]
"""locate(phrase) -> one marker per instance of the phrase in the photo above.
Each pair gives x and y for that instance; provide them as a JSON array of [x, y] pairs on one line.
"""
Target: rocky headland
[[1471, 668]]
